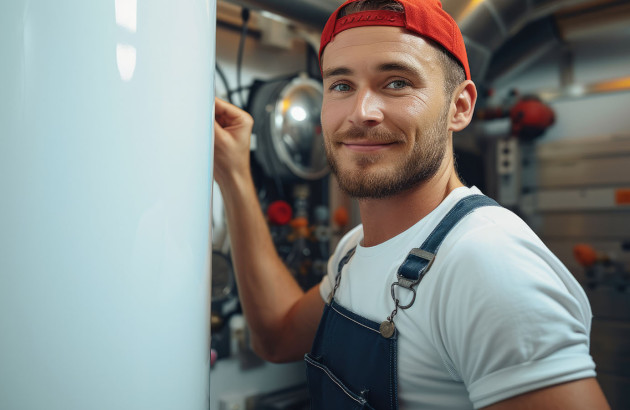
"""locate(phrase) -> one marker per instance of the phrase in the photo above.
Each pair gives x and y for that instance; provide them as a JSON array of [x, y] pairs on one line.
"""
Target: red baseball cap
[[425, 18]]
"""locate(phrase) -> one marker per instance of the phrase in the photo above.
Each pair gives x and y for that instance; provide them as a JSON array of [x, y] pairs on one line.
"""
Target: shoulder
[[492, 254], [494, 237], [507, 308]]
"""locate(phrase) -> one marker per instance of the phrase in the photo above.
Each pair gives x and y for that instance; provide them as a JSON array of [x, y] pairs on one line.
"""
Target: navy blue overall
[[353, 362]]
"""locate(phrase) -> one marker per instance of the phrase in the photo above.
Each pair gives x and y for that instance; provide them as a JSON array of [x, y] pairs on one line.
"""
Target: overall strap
[[340, 266], [419, 260]]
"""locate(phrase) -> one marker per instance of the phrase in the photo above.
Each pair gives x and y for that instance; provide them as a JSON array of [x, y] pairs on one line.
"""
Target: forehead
[[371, 45]]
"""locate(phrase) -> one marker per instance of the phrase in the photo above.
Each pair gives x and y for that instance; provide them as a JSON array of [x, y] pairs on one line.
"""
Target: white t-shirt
[[497, 314]]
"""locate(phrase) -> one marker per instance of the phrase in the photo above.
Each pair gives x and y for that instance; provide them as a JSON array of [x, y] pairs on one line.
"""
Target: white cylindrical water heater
[[106, 113]]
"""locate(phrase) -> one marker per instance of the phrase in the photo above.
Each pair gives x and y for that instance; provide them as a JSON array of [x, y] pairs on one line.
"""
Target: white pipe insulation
[[106, 111]]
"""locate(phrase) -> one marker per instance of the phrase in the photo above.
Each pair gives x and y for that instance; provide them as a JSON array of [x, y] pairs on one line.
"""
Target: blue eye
[[398, 84], [340, 87]]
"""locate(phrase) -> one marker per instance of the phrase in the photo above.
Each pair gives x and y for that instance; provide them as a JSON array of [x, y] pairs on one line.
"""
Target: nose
[[367, 110]]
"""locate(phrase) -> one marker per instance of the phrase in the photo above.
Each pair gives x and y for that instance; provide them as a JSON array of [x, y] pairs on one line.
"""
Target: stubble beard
[[368, 181]]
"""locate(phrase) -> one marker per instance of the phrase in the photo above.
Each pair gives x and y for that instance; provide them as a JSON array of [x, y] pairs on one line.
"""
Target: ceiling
[[499, 34]]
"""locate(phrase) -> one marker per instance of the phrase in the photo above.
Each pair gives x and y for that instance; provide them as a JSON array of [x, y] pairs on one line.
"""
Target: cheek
[[412, 114], [403, 117], [332, 117], [416, 106]]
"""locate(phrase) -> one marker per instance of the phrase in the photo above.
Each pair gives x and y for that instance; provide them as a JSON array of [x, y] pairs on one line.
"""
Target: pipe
[[490, 23], [485, 24], [313, 13]]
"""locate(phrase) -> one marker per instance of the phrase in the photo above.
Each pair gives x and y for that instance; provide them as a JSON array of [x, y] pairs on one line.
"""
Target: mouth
[[367, 146]]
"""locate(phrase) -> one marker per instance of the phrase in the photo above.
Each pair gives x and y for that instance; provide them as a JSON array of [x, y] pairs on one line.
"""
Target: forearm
[[268, 291], [282, 318]]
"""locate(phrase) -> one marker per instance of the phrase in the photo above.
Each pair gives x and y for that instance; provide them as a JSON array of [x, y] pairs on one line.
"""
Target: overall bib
[[353, 362]]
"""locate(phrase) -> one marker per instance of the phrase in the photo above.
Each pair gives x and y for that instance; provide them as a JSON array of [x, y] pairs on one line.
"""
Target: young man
[[493, 320]]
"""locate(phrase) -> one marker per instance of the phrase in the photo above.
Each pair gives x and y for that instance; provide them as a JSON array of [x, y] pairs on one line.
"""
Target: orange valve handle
[[341, 217], [585, 255]]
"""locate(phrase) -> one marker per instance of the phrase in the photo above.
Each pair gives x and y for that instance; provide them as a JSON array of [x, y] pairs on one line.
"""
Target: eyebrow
[[399, 67], [385, 67], [331, 72]]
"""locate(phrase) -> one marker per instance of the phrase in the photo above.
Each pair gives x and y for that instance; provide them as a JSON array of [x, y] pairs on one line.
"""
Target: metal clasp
[[407, 284], [410, 284]]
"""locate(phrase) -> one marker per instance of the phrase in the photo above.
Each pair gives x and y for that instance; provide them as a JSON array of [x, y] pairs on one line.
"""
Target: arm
[[580, 394], [283, 319]]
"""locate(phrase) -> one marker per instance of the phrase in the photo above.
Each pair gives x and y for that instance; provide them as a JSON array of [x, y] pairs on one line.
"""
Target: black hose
[[241, 47], [225, 83]]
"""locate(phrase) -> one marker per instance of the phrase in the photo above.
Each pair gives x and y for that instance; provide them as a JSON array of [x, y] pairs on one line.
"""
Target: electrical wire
[[225, 83], [241, 46]]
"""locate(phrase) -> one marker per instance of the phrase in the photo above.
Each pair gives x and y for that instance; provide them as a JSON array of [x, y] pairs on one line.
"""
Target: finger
[[220, 132], [225, 110], [234, 121]]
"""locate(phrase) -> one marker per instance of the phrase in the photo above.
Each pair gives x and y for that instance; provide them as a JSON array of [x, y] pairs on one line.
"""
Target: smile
[[367, 146]]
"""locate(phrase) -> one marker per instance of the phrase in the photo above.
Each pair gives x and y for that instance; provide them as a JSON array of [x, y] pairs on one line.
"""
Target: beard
[[409, 171]]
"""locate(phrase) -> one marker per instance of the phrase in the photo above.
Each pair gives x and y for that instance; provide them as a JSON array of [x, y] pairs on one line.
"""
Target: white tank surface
[[105, 190]]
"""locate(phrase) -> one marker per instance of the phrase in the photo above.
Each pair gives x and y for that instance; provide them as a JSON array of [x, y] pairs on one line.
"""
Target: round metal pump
[[289, 140]]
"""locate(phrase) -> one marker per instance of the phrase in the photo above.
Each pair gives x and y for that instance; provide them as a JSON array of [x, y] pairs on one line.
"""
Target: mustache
[[372, 134]]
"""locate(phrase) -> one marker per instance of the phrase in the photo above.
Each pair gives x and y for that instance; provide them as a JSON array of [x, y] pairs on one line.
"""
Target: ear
[[462, 106]]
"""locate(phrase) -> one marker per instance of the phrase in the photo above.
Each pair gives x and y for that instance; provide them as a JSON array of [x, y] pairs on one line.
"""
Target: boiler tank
[[106, 113]]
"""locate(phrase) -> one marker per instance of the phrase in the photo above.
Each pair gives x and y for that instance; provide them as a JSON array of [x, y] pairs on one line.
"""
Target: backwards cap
[[425, 18]]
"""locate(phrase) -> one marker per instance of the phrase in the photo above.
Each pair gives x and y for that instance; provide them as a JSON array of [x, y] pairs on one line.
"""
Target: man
[[492, 320]]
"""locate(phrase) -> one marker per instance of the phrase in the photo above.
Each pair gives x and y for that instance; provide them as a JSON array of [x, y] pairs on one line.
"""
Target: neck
[[387, 217]]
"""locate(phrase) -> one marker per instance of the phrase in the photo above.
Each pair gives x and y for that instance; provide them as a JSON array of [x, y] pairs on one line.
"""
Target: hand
[[232, 134]]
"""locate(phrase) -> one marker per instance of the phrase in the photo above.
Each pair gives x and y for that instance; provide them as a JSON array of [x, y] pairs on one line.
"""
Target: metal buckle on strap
[[410, 284], [413, 299], [421, 253]]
